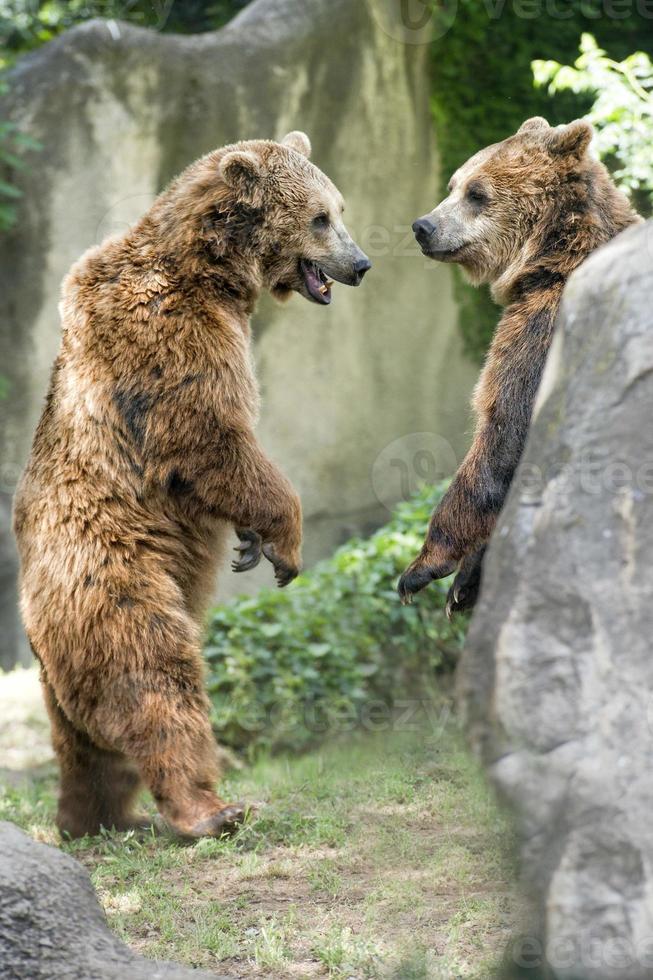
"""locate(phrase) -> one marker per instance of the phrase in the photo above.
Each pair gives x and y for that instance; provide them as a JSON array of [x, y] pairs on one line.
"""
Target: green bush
[[286, 667], [483, 90], [622, 113]]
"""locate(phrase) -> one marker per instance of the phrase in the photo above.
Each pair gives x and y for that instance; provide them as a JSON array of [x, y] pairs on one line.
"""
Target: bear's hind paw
[[225, 821]]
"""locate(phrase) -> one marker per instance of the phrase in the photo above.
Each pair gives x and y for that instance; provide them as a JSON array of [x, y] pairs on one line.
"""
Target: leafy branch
[[622, 113]]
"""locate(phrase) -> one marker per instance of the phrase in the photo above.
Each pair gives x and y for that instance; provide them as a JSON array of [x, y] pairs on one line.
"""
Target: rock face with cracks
[[52, 925], [557, 678]]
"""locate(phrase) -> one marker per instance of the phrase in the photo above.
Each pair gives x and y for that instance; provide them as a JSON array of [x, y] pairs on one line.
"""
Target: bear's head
[[275, 210], [506, 198]]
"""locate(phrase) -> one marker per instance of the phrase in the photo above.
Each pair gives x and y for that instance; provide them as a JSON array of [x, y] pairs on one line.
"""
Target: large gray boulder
[[120, 110], [52, 926], [557, 677]]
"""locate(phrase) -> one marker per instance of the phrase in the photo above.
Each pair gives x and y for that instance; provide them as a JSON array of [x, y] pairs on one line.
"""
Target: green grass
[[382, 856]]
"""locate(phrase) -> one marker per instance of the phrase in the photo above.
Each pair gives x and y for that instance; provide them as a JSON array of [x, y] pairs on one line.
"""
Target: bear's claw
[[418, 575], [466, 586], [250, 550], [225, 821], [283, 572], [412, 581], [459, 599]]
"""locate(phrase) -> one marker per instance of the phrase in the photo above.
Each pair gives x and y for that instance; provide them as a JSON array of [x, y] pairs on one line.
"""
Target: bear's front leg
[[260, 502], [467, 514], [461, 524]]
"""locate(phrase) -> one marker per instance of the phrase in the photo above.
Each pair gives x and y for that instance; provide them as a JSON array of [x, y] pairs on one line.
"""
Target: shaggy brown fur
[[145, 455], [522, 215]]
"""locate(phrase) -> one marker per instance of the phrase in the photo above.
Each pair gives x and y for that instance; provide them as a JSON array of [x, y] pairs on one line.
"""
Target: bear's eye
[[476, 195], [321, 221]]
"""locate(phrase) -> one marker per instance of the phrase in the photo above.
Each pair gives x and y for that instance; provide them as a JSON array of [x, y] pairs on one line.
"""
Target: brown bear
[[143, 458], [522, 215]]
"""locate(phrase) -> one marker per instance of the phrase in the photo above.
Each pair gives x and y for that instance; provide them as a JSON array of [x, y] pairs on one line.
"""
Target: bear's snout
[[423, 229], [361, 266]]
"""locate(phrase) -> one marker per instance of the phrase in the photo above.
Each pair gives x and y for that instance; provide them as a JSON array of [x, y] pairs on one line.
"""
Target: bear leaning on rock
[[522, 215], [145, 455]]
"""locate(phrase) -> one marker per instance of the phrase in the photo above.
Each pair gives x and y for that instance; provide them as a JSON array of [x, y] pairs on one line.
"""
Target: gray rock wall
[[557, 677], [120, 110]]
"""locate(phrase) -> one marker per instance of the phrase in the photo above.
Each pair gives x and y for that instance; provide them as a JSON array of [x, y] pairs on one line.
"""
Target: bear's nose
[[423, 229], [361, 266]]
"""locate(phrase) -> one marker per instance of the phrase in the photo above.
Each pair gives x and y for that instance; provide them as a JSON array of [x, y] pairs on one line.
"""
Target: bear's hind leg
[[98, 787], [152, 708], [171, 741]]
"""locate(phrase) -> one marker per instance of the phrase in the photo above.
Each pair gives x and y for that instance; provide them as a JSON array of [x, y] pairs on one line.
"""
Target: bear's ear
[[240, 170], [571, 140], [298, 141], [533, 124]]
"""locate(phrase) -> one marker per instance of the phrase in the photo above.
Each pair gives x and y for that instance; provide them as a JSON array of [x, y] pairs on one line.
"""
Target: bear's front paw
[[250, 549], [285, 568], [419, 573], [464, 591]]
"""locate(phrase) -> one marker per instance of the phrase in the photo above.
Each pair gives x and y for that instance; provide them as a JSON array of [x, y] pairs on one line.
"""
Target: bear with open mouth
[[145, 456]]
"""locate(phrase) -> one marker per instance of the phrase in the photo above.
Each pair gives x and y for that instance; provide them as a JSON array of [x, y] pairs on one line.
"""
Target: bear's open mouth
[[316, 281]]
